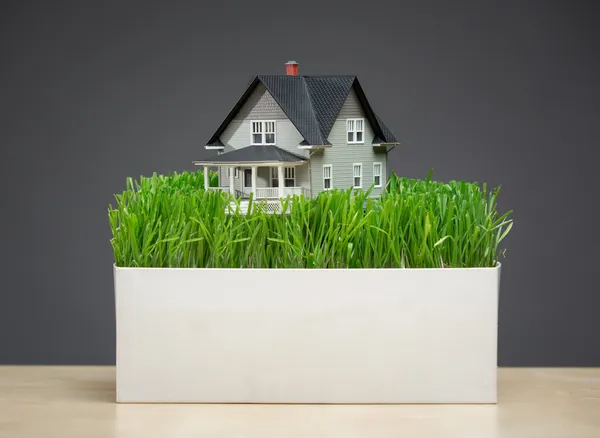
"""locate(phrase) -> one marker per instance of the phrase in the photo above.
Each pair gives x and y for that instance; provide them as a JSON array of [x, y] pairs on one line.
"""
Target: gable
[[260, 106], [351, 107]]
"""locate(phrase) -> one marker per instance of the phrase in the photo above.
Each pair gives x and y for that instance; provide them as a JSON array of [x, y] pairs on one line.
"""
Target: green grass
[[171, 221]]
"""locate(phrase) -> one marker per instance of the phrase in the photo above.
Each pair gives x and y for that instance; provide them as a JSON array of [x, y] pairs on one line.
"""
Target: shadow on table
[[100, 388]]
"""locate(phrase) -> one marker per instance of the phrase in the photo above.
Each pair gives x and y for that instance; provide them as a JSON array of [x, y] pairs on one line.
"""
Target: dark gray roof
[[259, 154], [312, 103], [217, 143]]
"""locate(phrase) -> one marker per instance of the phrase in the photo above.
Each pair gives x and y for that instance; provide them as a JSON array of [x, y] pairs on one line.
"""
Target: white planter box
[[307, 336]]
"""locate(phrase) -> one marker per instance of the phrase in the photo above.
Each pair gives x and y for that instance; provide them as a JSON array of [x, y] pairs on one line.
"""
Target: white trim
[[231, 180], [249, 163], [254, 176], [274, 175], [360, 166], [206, 177], [280, 181], [314, 146], [263, 132], [219, 148], [286, 169], [380, 174], [244, 186], [236, 173], [330, 178], [252, 122], [355, 130]]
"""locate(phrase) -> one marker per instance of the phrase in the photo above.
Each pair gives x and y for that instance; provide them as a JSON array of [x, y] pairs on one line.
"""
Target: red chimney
[[291, 68]]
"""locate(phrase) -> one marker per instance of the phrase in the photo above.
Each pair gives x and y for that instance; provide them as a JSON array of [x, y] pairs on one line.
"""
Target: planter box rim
[[126, 268]]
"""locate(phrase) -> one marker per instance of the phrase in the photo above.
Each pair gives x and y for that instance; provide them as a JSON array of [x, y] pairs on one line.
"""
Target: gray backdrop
[[91, 92]]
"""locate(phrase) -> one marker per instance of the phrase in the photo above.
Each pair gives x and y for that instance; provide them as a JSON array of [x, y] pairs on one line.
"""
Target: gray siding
[[303, 176], [342, 156], [261, 106], [263, 177], [237, 135]]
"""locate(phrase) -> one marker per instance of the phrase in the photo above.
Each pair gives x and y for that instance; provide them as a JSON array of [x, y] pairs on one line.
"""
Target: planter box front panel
[[307, 336]]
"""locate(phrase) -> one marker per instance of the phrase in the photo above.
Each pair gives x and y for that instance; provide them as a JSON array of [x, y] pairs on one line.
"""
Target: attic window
[[263, 132], [356, 131]]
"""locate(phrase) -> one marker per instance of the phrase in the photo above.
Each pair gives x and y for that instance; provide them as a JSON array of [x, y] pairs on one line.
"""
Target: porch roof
[[254, 154]]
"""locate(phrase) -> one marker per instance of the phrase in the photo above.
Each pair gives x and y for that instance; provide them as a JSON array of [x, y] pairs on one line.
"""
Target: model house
[[291, 134]]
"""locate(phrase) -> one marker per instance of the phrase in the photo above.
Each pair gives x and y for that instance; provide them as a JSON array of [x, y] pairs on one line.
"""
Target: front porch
[[263, 172], [244, 184]]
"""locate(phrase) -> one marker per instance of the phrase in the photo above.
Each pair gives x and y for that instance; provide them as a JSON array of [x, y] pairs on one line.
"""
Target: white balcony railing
[[273, 192], [267, 192]]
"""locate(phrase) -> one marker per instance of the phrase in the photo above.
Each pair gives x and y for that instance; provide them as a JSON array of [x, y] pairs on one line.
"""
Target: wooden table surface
[[78, 402]]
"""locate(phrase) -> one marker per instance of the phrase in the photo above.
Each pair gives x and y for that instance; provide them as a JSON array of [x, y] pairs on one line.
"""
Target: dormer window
[[356, 130], [263, 132]]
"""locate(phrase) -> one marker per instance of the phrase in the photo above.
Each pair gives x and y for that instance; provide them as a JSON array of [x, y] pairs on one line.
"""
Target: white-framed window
[[289, 177], [289, 174], [356, 130], [357, 175], [377, 174], [327, 177], [263, 132], [236, 172]]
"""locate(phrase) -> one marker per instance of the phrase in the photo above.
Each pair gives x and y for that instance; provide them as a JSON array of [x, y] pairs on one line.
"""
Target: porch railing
[[266, 192], [273, 192]]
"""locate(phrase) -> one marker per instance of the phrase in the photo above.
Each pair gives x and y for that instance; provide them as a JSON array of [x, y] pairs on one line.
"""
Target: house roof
[[312, 103], [256, 154]]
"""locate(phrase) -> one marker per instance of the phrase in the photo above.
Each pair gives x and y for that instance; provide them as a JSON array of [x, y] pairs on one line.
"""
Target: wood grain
[[78, 402]]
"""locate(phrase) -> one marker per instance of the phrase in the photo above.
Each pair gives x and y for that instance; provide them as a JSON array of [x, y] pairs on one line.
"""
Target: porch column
[[206, 182], [232, 180], [281, 181], [254, 169]]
